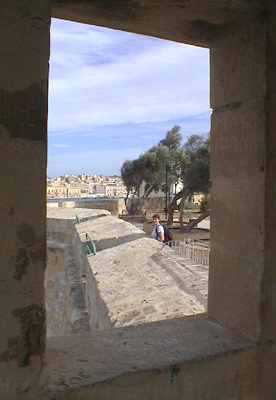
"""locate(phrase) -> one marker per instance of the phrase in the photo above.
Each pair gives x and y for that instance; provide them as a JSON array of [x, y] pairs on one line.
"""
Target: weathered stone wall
[[238, 177], [115, 206], [55, 291], [135, 280], [242, 288], [108, 232], [61, 222], [67, 264], [66, 309], [65, 292], [152, 205], [186, 358], [105, 233], [194, 22], [143, 281], [24, 55], [99, 318]]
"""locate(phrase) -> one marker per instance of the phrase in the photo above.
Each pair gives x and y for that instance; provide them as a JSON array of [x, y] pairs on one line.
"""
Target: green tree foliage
[[150, 167], [195, 172], [128, 173], [188, 163], [197, 169]]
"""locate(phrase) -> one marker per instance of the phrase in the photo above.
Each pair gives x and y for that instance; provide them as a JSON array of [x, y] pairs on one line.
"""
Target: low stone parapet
[[131, 280], [185, 358], [142, 281], [67, 264], [115, 206], [108, 232], [61, 221], [67, 313], [105, 232]]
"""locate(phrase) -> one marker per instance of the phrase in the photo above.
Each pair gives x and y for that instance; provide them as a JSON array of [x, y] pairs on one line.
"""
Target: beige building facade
[[197, 198], [229, 353], [62, 191], [114, 190]]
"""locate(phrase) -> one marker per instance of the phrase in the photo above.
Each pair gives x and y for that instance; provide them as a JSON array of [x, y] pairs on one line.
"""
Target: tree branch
[[193, 222]]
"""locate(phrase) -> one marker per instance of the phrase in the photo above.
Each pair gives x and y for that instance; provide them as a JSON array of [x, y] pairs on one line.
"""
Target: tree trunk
[[196, 221], [132, 204], [185, 195], [147, 193], [181, 212], [172, 205], [132, 211], [125, 200]]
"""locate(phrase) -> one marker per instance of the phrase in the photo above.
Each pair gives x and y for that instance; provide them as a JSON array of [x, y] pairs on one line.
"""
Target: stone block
[[60, 260], [108, 232], [61, 221], [238, 142], [234, 287], [140, 282], [237, 225], [237, 221], [190, 358], [238, 64]]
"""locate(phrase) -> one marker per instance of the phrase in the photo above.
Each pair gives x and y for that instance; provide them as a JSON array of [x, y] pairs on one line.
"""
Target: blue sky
[[114, 94]]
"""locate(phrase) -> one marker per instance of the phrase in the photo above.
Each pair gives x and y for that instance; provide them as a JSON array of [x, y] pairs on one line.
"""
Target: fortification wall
[[61, 222], [114, 206], [64, 289], [151, 205], [64, 295], [131, 280]]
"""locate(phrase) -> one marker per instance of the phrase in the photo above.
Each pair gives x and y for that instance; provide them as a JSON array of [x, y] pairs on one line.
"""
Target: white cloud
[[161, 80], [101, 79]]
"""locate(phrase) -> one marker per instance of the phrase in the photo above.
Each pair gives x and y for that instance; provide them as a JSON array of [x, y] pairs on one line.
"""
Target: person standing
[[158, 230]]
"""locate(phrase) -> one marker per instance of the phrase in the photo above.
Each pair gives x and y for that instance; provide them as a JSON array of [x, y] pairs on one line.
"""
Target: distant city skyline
[[113, 95]]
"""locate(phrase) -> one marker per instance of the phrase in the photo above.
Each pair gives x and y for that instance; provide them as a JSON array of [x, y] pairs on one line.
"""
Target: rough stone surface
[[146, 282], [64, 294], [194, 22], [84, 214], [165, 360], [61, 221], [24, 55], [115, 206], [108, 232], [240, 52], [143, 281], [238, 175]]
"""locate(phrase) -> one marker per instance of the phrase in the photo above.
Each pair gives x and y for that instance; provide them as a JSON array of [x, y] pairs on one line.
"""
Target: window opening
[[114, 96]]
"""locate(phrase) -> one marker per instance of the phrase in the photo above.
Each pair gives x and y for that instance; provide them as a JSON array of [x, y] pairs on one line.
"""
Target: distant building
[[197, 198], [173, 189], [73, 186]]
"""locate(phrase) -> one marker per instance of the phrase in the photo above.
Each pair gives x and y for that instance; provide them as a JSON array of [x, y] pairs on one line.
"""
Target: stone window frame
[[219, 331]]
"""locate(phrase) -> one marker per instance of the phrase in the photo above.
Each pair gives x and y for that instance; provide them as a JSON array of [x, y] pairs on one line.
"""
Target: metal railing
[[90, 245], [195, 249]]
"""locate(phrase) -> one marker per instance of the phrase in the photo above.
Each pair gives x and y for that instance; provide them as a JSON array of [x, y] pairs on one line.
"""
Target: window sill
[[161, 351]]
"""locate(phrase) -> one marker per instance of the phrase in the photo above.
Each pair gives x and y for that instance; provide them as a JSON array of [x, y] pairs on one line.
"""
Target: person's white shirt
[[156, 230]]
